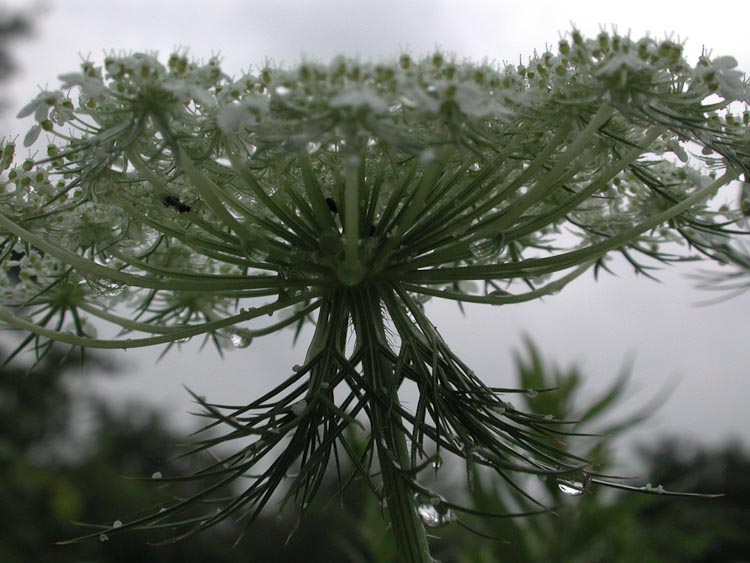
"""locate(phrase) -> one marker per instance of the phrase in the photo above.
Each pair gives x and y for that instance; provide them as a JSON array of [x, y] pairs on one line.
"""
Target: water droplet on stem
[[572, 488], [434, 511], [299, 407], [240, 338], [104, 288]]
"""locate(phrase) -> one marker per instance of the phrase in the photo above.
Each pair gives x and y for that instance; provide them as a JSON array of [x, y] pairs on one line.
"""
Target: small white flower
[[730, 83], [359, 98], [424, 101], [89, 86], [40, 105], [186, 91], [475, 102], [238, 115], [628, 62]]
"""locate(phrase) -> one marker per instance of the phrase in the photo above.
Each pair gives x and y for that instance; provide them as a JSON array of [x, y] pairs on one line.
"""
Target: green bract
[[175, 201]]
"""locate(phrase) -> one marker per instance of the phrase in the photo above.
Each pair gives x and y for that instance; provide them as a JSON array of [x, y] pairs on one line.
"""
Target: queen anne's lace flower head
[[351, 192]]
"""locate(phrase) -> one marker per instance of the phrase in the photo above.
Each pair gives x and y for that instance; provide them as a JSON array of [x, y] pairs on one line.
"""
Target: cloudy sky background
[[704, 350]]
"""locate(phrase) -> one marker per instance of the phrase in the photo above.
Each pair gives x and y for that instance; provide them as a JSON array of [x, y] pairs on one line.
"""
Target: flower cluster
[[350, 193]]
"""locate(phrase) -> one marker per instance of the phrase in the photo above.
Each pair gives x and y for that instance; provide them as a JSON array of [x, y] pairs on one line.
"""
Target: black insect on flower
[[171, 200], [332, 205]]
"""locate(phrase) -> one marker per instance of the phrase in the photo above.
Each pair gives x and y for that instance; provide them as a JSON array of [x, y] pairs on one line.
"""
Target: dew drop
[[433, 511], [313, 147], [103, 537], [429, 515], [291, 292], [572, 488], [437, 463], [659, 489], [104, 288], [299, 407], [476, 167], [427, 156], [117, 524], [482, 248], [240, 338], [282, 90], [531, 393], [156, 475]]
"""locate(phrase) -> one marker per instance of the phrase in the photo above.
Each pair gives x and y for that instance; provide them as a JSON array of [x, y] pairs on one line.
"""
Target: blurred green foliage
[[53, 473], [595, 527]]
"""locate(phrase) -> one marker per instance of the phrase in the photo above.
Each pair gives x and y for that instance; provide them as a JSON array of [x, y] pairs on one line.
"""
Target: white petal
[[29, 108], [724, 62], [32, 136]]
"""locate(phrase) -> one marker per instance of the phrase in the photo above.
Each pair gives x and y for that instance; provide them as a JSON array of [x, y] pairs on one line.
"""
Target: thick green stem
[[411, 538], [390, 436]]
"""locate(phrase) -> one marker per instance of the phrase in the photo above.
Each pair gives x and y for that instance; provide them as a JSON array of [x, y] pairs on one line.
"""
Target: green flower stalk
[[174, 201]]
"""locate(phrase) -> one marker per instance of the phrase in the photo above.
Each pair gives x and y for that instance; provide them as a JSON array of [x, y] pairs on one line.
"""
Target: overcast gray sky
[[595, 325]]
